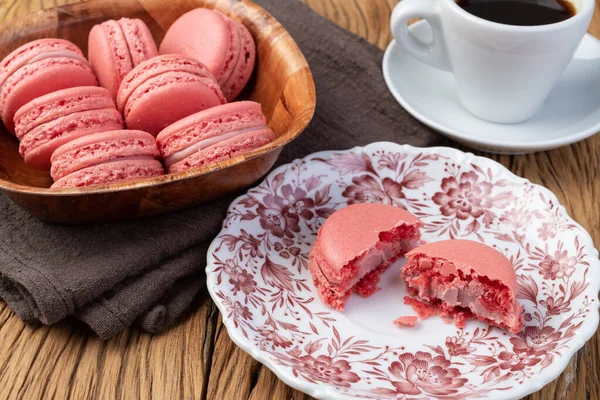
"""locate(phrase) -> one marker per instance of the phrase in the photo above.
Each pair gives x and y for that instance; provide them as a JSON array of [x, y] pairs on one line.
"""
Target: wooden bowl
[[282, 84]]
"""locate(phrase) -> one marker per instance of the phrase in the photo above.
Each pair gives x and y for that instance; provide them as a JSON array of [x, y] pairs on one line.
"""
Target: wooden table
[[196, 359]]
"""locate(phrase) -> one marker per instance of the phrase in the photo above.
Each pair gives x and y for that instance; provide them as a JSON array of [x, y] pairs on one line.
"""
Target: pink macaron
[[106, 157], [48, 122], [116, 47], [38, 68], [225, 46], [355, 245], [463, 279], [213, 135], [165, 89]]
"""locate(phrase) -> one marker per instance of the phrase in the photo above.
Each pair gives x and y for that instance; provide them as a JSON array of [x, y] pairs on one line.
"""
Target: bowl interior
[[281, 83]]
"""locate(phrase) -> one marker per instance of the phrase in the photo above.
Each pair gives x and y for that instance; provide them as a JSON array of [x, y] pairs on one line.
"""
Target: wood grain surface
[[196, 359]]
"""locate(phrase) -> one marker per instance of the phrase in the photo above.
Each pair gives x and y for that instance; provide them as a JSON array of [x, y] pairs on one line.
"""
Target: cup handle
[[435, 53]]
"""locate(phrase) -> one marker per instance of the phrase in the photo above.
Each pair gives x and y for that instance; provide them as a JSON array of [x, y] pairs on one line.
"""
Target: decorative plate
[[257, 275]]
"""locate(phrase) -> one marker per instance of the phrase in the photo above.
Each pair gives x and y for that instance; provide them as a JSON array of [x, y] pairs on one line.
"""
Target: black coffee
[[520, 12]]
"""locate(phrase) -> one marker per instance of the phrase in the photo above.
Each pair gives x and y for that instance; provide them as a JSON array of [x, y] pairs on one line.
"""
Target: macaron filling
[[391, 246], [459, 293], [57, 53], [118, 159], [384, 253], [203, 144]]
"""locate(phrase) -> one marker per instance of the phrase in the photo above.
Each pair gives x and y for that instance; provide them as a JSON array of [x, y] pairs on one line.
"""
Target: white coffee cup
[[504, 73]]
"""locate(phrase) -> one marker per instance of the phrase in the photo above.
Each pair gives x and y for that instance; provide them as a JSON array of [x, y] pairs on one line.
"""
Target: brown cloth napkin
[[148, 272]]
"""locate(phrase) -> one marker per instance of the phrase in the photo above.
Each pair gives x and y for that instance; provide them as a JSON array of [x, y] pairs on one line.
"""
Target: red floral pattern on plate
[[257, 274]]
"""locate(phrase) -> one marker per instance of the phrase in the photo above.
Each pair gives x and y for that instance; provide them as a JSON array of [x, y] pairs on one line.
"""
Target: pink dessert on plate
[[356, 245], [462, 279]]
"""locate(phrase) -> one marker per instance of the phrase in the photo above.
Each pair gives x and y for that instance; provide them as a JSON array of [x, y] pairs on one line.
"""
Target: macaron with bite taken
[[165, 89], [224, 45], [106, 157], [463, 279], [213, 135], [38, 68], [116, 47], [48, 122]]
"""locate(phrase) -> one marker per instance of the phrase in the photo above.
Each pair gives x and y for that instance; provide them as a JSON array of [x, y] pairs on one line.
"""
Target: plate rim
[[326, 392], [490, 145]]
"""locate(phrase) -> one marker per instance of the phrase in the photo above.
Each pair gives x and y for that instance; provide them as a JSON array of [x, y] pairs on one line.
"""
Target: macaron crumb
[[408, 321]]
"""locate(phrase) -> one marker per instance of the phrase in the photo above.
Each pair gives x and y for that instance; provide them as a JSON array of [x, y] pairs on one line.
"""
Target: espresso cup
[[504, 73]]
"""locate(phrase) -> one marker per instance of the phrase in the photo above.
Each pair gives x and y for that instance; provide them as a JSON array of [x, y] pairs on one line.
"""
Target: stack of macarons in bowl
[[151, 116], [140, 91]]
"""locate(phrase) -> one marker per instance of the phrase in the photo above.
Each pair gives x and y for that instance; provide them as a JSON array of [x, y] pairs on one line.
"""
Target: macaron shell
[[227, 149], [353, 230], [201, 34], [58, 104], [210, 123], [167, 98], [99, 148], [112, 171], [38, 145], [37, 79], [155, 67], [109, 55], [139, 40], [467, 256], [24, 54], [235, 47], [244, 66]]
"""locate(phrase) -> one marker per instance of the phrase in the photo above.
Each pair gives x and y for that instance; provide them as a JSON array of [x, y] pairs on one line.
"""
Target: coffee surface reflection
[[520, 12]]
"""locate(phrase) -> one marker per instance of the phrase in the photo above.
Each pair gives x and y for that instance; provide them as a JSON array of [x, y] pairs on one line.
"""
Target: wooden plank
[[67, 361]]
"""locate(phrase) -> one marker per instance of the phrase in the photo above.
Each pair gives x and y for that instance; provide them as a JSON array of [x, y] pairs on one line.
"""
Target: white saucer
[[571, 113]]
